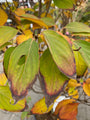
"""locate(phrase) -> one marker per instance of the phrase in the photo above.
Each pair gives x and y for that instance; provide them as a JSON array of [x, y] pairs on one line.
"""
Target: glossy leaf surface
[[52, 80], [6, 34], [23, 68], [61, 52]]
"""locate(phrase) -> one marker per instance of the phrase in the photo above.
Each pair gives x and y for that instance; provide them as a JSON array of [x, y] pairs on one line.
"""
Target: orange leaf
[[22, 38], [3, 17], [86, 87], [18, 13], [61, 104], [40, 107], [69, 111]]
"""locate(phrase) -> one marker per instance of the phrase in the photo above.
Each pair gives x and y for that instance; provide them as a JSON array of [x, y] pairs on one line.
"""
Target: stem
[[40, 8], [48, 8]]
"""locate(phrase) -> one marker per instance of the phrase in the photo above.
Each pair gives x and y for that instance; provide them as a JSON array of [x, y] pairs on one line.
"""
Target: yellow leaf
[[73, 83], [3, 17], [18, 13], [34, 19], [73, 93], [3, 79], [40, 107], [28, 33], [22, 38], [42, 37], [48, 15], [86, 87]]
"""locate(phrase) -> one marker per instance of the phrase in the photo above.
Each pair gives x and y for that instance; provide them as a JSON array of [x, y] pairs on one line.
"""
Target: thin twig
[[48, 8], [40, 8]]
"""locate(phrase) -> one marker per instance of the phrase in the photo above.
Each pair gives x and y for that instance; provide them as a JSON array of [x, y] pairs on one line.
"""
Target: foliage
[[41, 42]]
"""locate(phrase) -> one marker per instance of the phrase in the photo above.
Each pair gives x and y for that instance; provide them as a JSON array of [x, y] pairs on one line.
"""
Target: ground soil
[[48, 116]]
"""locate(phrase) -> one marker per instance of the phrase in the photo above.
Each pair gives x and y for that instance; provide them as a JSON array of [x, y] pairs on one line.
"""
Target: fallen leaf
[[69, 111], [40, 107]]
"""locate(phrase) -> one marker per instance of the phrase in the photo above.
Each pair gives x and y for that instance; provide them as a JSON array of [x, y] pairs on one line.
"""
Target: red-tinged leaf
[[23, 68], [61, 52], [66, 37], [40, 107], [86, 87], [52, 80], [61, 104], [69, 111]]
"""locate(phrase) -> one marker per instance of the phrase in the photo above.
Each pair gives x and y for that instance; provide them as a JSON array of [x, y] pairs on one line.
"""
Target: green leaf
[[34, 19], [23, 75], [7, 102], [81, 65], [6, 34], [81, 33], [64, 4], [4, 45], [52, 80], [61, 52], [78, 28], [6, 58], [85, 50], [48, 21]]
